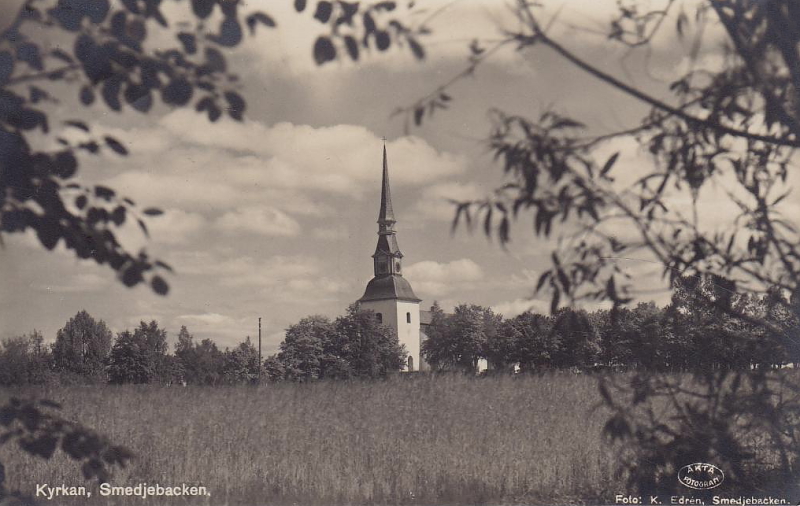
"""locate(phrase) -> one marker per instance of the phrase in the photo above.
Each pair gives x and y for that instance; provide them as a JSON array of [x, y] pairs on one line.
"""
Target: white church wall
[[394, 313]]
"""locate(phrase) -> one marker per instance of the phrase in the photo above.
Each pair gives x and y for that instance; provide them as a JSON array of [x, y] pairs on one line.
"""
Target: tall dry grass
[[408, 440]]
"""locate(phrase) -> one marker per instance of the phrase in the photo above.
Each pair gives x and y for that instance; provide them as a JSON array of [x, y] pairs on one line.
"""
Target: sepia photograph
[[399, 252]]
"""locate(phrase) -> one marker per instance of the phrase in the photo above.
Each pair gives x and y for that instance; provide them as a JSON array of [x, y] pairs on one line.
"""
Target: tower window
[[397, 266], [408, 317], [410, 363], [379, 316]]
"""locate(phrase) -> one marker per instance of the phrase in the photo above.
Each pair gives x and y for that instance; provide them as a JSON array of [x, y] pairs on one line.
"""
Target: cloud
[[333, 158], [76, 283], [205, 319], [435, 201], [175, 226], [512, 308], [258, 220], [434, 279]]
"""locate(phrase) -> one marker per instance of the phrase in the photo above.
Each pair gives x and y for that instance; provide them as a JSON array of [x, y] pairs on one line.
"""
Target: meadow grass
[[407, 440]]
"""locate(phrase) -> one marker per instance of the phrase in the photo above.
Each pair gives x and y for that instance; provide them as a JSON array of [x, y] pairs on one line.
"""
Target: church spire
[[388, 283], [386, 214]]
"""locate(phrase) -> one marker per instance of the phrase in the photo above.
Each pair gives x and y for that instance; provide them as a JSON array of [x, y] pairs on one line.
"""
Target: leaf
[[44, 446], [202, 8], [324, 50], [37, 94], [416, 48], [116, 146], [178, 92], [323, 12], [6, 66], [542, 279], [259, 17], [163, 265], [66, 164], [236, 103], [208, 104], [143, 227], [104, 192], [352, 47], [215, 60], [139, 97], [159, 285], [555, 300], [419, 112], [382, 40], [385, 6], [131, 5], [77, 124], [152, 211], [29, 53], [48, 232], [369, 23], [609, 163], [87, 95], [563, 279], [188, 41], [62, 55], [230, 33], [110, 92]]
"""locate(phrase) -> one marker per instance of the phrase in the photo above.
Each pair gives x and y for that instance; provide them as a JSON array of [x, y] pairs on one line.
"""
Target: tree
[[104, 55], [301, 352], [273, 368], [241, 364], [532, 337], [82, 346], [140, 357], [127, 362], [459, 340], [24, 360], [735, 124], [356, 345], [370, 349]]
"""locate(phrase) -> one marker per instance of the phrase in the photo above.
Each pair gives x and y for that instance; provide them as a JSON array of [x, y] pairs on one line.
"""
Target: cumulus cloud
[[261, 220], [175, 226], [434, 279], [435, 203], [515, 307], [343, 155]]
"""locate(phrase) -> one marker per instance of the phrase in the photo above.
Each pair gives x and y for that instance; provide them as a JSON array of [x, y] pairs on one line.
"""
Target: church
[[388, 293]]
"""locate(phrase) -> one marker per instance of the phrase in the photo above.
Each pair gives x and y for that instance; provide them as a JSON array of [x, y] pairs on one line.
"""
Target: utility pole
[[259, 348]]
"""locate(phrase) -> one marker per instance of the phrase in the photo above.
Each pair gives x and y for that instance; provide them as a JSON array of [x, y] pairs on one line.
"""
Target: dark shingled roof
[[389, 287], [425, 317]]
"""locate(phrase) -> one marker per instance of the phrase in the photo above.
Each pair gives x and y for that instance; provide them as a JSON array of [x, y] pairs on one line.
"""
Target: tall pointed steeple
[[388, 293], [386, 214], [388, 282]]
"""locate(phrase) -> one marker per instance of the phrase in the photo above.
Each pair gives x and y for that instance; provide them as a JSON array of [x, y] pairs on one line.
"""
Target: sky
[[275, 217]]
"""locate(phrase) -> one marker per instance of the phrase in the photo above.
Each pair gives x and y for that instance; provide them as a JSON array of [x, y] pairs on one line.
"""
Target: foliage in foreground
[[39, 430]]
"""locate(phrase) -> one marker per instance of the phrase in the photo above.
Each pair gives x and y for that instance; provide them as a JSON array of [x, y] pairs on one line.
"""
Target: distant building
[[388, 293]]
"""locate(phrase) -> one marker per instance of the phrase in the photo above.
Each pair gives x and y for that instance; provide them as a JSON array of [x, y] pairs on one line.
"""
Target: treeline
[[706, 326], [85, 352], [354, 345]]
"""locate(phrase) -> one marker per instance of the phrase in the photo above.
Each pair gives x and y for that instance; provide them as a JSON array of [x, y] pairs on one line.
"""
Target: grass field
[[422, 440]]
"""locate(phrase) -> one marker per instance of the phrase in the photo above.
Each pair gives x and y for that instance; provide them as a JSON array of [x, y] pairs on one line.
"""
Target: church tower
[[388, 293]]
